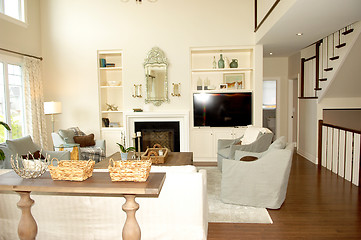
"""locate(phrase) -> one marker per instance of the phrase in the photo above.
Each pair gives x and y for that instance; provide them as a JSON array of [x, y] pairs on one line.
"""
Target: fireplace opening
[[164, 133]]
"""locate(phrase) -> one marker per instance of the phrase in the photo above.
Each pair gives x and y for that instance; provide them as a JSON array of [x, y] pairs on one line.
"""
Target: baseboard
[[308, 156]]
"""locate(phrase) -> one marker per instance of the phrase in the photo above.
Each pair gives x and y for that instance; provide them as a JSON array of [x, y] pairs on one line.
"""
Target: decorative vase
[[214, 62], [234, 63], [124, 156], [221, 62]]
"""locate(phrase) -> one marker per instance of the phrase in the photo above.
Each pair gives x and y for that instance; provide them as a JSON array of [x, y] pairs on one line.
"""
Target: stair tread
[[328, 69], [348, 31], [340, 45], [322, 79], [334, 58]]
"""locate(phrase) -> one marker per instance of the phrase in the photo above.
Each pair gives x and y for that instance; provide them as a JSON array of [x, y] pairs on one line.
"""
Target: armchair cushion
[[67, 135], [85, 141], [250, 135], [21, 146]]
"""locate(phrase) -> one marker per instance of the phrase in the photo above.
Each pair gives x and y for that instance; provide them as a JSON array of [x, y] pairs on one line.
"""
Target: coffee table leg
[[131, 229], [27, 228]]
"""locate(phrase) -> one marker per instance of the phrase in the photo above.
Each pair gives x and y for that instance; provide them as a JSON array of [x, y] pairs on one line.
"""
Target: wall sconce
[[176, 90], [137, 91]]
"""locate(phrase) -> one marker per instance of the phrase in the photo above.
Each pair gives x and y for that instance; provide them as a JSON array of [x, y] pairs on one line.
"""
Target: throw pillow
[[248, 158], [22, 145], [250, 135], [35, 155], [67, 135], [77, 131], [85, 141], [280, 143]]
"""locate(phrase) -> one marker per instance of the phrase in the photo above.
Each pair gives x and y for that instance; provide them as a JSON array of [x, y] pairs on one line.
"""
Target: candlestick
[[138, 147], [139, 134]]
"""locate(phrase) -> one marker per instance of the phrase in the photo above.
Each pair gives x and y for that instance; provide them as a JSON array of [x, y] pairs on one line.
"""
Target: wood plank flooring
[[319, 205]]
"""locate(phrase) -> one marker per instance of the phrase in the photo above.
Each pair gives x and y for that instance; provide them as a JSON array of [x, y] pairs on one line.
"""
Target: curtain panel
[[34, 101]]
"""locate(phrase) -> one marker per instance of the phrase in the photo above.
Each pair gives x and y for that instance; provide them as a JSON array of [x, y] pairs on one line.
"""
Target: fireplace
[[164, 133], [180, 133]]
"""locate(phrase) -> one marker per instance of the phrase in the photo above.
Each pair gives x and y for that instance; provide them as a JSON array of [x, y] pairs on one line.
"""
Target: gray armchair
[[227, 147], [259, 183], [95, 152], [23, 146]]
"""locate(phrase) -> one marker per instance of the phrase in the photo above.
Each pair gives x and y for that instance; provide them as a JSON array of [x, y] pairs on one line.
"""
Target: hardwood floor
[[318, 205]]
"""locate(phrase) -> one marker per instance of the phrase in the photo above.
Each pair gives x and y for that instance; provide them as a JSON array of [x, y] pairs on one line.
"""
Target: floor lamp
[[52, 108]]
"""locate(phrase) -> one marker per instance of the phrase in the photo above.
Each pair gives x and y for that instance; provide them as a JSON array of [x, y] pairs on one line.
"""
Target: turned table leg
[[27, 228], [131, 229]]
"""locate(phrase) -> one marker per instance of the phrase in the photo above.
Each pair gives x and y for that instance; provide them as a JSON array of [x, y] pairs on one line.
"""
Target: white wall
[[277, 68], [25, 39], [73, 31]]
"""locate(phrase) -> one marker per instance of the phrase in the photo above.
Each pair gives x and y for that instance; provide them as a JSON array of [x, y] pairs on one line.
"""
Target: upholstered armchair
[[22, 146], [261, 182], [90, 148], [255, 139]]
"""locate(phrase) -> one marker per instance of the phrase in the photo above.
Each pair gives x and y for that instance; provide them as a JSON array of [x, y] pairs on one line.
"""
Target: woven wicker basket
[[153, 155], [129, 171], [71, 170]]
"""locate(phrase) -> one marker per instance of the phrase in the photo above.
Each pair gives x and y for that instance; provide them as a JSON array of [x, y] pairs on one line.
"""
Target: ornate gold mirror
[[156, 77]]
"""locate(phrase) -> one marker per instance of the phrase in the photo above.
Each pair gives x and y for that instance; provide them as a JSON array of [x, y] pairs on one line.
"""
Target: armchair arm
[[224, 143], [100, 143]]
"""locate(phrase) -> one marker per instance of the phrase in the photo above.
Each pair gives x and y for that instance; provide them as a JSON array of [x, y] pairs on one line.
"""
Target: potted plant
[[2, 154], [124, 151]]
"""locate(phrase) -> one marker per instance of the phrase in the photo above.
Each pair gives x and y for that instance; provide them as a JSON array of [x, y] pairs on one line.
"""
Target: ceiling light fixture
[[299, 34], [270, 53]]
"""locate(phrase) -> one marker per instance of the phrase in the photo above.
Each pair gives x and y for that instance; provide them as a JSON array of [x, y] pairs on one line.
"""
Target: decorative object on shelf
[[124, 151], [71, 170], [52, 108], [29, 167], [137, 110], [226, 62], [156, 155], [114, 124], [237, 78], [214, 62], [223, 86], [105, 122], [206, 84], [156, 77], [221, 61], [199, 84], [110, 65], [137, 91], [176, 90], [111, 107], [102, 62], [234, 63], [113, 83]]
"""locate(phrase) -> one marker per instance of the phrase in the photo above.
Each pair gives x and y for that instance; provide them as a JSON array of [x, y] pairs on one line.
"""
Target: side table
[[73, 148]]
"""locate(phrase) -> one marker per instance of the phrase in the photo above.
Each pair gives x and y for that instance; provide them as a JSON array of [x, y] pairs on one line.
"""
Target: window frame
[[6, 60], [22, 12]]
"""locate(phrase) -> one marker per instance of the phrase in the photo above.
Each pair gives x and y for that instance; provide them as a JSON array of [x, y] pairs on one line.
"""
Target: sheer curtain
[[34, 101]]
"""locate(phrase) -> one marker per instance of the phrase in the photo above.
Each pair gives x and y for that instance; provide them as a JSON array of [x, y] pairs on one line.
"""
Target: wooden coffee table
[[174, 159]]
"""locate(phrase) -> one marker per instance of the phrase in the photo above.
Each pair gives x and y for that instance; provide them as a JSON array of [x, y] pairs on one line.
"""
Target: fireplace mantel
[[180, 116]]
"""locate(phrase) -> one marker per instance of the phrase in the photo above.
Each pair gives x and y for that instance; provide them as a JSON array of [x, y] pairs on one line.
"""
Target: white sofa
[[180, 212]]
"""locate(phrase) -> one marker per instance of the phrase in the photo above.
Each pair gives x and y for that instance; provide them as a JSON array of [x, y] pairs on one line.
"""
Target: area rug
[[229, 213]]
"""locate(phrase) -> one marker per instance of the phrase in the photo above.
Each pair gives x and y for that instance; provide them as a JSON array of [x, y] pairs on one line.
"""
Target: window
[[13, 9], [269, 94], [11, 100]]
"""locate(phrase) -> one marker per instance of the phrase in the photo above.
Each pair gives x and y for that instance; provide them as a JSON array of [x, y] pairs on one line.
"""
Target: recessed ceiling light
[[299, 34], [270, 53]]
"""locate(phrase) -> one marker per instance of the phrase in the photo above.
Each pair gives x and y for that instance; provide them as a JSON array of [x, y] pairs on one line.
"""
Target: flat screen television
[[222, 109]]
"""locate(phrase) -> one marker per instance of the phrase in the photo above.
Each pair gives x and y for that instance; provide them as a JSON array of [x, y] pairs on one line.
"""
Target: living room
[[69, 34]]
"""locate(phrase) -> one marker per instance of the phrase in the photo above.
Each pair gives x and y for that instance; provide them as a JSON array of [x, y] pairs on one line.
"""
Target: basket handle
[[87, 163], [157, 145], [110, 162], [51, 163]]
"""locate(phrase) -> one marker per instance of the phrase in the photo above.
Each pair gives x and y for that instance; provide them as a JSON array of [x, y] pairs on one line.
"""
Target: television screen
[[222, 109]]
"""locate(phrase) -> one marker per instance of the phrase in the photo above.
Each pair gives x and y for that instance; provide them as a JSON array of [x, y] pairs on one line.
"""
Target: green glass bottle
[[221, 62]]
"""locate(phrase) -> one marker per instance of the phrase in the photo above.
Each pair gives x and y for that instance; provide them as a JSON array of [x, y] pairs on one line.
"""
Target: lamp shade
[[52, 107]]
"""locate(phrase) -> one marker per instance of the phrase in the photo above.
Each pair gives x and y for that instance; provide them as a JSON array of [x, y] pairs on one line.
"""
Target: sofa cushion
[[22, 145], [225, 152], [250, 135], [67, 135], [85, 141]]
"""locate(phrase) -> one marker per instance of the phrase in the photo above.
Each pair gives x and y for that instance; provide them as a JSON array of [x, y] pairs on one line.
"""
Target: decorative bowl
[[28, 168]]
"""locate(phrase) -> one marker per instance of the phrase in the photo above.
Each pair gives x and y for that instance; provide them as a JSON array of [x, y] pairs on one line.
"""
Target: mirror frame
[[156, 57]]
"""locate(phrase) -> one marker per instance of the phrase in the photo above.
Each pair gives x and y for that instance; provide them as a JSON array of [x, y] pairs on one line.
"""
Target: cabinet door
[[202, 144], [111, 137]]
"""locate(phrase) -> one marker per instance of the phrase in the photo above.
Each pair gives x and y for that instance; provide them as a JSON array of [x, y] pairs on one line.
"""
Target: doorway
[[270, 105]]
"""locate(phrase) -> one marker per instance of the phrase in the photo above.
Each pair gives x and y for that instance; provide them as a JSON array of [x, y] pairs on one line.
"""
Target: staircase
[[318, 71], [333, 51]]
